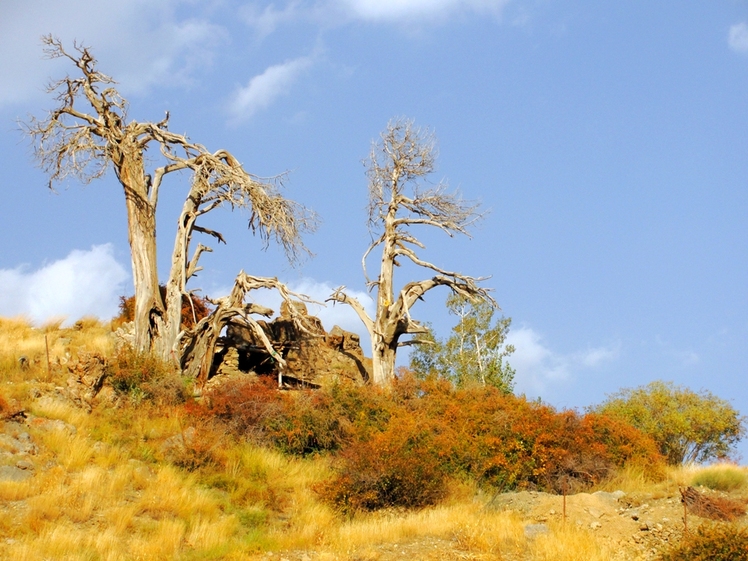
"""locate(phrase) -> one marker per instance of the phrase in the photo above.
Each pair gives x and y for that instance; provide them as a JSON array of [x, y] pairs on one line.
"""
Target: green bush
[[721, 478], [687, 426], [711, 542]]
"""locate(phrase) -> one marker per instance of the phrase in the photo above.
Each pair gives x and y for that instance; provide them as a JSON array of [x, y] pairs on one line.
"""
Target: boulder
[[313, 357]]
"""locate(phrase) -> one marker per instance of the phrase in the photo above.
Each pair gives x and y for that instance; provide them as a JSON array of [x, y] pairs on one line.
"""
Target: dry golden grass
[[569, 543], [721, 477], [18, 337], [106, 491]]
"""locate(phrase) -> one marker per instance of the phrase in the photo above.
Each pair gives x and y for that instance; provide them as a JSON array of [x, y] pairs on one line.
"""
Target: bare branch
[[404, 154], [216, 235], [340, 296], [193, 268], [406, 252], [198, 345], [459, 284], [369, 283], [397, 166]]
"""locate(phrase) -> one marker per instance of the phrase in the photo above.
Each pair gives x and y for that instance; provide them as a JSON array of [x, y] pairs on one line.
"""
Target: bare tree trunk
[[83, 141], [141, 219], [176, 285], [383, 365], [404, 156]]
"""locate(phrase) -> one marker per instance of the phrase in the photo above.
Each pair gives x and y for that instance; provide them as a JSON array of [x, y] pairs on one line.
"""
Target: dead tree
[[198, 344], [398, 201], [89, 130]]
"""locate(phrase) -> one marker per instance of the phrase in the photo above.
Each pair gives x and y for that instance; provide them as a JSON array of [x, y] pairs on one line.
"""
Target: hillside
[[132, 472]]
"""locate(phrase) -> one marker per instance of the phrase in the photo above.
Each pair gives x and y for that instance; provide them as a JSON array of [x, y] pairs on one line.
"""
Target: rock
[[124, 336], [86, 378], [17, 445], [52, 425], [594, 512], [11, 473], [595, 525], [181, 440], [25, 465], [614, 496], [313, 357], [535, 530], [229, 364]]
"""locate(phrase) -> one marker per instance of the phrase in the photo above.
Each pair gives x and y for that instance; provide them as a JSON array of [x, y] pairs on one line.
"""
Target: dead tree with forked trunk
[[198, 344], [89, 130], [398, 202]]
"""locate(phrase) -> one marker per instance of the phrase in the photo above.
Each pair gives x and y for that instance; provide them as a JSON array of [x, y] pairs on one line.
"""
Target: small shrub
[[242, 406], [723, 477], [196, 447], [397, 468], [298, 423], [192, 311], [712, 507], [142, 376], [711, 542], [309, 423]]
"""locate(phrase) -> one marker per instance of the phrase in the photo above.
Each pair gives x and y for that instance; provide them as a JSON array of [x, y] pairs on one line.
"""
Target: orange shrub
[[300, 422], [508, 442], [191, 311], [243, 406], [395, 449], [398, 467], [145, 376]]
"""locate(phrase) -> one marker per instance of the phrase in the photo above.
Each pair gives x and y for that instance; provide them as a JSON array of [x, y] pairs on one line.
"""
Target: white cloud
[[592, 358], [265, 88], [738, 37], [266, 20], [138, 42], [538, 367], [397, 10], [83, 283]]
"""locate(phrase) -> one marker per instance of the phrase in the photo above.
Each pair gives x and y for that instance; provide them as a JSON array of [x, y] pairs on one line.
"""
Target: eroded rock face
[[86, 380], [313, 356]]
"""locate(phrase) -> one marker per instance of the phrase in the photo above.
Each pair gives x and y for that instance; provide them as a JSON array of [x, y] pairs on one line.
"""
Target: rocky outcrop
[[85, 385], [313, 356]]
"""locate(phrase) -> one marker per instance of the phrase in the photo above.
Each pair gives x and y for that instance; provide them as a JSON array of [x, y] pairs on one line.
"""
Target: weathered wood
[[198, 346], [83, 143], [396, 202]]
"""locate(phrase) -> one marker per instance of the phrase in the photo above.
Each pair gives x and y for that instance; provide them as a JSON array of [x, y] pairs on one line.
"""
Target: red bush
[[396, 448], [243, 406], [197, 309], [398, 467]]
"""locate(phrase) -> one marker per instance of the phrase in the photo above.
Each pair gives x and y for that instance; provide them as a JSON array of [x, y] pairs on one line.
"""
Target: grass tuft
[[721, 477]]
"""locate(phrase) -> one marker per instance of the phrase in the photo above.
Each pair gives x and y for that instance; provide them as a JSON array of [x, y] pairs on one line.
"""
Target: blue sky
[[609, 141]]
